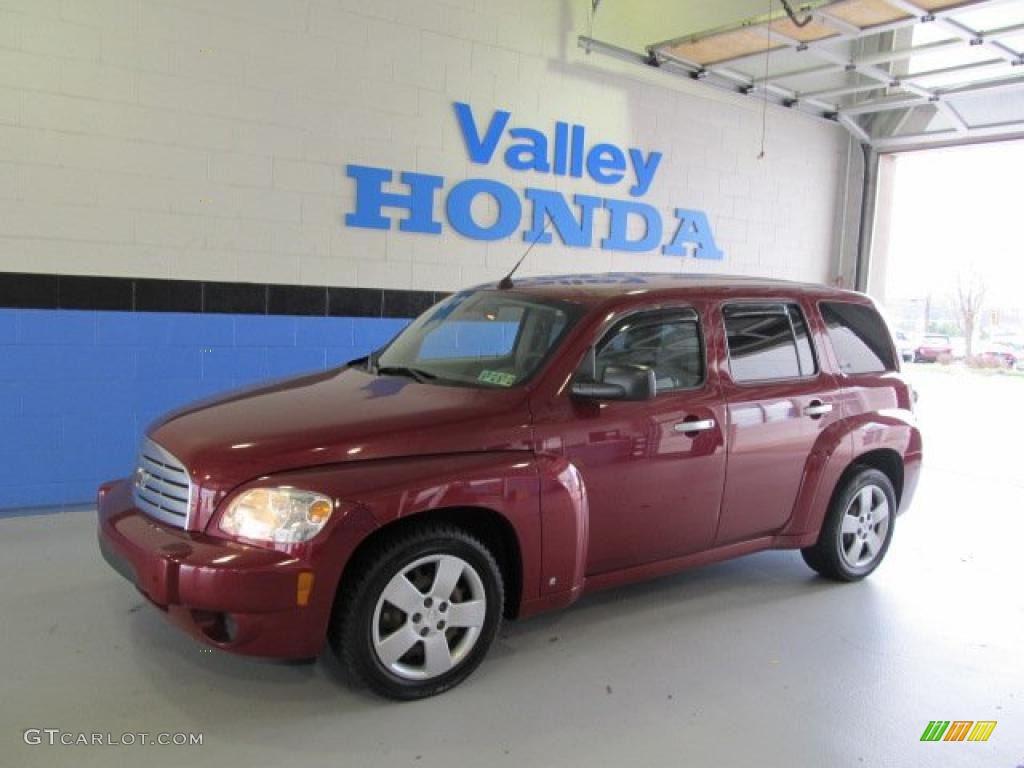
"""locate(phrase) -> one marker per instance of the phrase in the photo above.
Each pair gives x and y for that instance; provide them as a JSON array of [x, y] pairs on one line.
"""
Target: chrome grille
[[161, 486]]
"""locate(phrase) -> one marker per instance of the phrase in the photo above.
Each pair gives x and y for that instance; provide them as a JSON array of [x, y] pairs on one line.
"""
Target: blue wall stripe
[[77, 388]]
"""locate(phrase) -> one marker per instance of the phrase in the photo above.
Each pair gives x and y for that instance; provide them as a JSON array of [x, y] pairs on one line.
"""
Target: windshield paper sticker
[[497, 377]]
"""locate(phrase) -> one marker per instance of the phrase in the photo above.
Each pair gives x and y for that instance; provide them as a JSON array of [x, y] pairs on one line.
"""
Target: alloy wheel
[[429, 617], [865, 526]]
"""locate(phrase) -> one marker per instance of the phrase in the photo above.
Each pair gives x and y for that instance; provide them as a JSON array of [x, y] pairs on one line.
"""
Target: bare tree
[[970, 296]]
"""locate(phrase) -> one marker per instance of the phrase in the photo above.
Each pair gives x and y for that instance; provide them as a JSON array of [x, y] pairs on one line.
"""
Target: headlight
[[284, 515]]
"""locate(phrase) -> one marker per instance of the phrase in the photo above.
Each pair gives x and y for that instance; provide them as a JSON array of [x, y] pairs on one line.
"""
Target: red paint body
[[593, 494]]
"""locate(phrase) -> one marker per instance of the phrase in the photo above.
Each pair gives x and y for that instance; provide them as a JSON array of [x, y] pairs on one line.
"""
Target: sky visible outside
[[956, 210]]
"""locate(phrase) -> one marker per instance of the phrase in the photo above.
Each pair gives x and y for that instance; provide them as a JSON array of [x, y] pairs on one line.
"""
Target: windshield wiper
[[416, 374]]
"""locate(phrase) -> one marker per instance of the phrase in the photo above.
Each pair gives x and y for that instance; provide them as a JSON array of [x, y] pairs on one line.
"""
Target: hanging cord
[[590, 22], [764, 85], [792, 15]]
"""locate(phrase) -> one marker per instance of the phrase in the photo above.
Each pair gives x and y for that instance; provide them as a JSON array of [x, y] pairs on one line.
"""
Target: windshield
[[478, 338]]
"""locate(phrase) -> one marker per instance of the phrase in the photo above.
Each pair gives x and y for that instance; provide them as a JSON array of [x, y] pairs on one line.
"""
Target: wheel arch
[[837, 457], [493, 529], [888, 461]]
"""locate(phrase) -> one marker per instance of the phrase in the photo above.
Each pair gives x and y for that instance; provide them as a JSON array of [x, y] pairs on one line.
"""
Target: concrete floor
[[753, 662]]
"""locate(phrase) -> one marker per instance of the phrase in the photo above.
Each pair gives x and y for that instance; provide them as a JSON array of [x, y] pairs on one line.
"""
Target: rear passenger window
[[859, 337], [768, 341]]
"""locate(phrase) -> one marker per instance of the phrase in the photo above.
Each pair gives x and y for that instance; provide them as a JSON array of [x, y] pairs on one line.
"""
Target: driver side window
[[667, 342]]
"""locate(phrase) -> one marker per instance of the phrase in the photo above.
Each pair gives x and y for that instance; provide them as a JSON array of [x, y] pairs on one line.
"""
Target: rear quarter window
[[859, 337], [767, 342]]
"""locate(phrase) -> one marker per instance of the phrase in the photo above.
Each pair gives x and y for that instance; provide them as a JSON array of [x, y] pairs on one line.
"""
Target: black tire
[[352, 633], [830, 555]]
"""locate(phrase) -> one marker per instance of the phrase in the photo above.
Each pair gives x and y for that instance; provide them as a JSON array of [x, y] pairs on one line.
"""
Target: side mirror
[[597, 390], [620, 383]]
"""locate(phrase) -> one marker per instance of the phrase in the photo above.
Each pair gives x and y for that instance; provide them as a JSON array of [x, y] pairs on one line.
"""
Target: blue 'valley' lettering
[[605, 163], [528, 149]]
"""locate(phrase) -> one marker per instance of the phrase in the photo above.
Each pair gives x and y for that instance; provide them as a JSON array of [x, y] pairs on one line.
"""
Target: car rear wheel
[[421, 614], [857, 530]]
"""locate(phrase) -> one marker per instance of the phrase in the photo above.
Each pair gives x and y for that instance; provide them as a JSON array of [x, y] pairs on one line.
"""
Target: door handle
[[695, 426], [817, 409]]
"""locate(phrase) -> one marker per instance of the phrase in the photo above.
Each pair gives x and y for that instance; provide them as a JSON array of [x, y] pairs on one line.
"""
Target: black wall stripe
[[23, 290]]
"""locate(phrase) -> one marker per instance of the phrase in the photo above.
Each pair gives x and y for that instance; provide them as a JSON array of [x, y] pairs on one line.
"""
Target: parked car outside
[[512, 449], [1000, 354], [905, 345], [931, 347]]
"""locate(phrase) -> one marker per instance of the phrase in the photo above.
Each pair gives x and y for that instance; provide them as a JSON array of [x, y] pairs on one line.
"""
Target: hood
[[342, 415]]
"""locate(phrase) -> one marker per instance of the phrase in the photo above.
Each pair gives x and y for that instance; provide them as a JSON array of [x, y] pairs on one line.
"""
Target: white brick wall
[[208, 140]]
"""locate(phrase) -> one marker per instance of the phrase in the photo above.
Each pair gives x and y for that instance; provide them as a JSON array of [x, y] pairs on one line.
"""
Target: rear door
[[779, 400]]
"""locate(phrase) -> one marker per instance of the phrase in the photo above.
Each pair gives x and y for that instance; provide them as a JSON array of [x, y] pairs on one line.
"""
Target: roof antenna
[[506, 281]]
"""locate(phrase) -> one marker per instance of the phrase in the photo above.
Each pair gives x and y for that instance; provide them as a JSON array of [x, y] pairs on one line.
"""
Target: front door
[[779, 402], [653, 470]]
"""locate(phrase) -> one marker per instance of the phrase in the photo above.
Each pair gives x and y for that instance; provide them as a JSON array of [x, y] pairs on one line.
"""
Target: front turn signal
[[305, 588]]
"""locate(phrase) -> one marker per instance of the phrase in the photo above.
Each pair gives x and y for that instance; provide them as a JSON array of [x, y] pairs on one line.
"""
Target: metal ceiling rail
[[845, 31], [736, 84], [745, 83], [838, 62], [903, 101], [1003, 84], [997, 131], [875, 73], [697, 57], [846, 90], [958, 68], [965, 33], [937, 47], [900, 102], [765, 18], [855, 128], [955, 118], [819, 70]]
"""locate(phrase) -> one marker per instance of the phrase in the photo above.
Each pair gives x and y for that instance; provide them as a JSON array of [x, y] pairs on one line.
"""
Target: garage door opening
[[945, 261]]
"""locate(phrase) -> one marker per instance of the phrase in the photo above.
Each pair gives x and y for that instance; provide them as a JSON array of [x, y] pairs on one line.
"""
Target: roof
[[593, 289]]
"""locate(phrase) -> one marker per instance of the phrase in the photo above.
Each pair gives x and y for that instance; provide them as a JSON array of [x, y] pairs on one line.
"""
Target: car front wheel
[[857, 530], [421, 614]]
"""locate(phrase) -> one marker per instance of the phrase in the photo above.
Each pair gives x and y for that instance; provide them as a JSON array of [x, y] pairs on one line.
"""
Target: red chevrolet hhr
[[513, 448]]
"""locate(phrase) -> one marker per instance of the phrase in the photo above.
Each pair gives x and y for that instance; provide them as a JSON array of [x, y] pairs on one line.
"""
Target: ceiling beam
[[733, 83], [936, 47], [955, 118], [957, 28], [777, 15], [883, 105], [906, 92], [745, 83], [902, 102], [950, 137], [846, 31], [855, 128], [958, 68], [845, 90]]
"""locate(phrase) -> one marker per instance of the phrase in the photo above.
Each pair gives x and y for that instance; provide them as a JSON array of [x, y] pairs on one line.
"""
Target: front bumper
[[237, 597]]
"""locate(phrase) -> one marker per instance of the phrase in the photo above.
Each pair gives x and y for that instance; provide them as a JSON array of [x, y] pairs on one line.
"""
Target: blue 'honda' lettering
[[565, 153]]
